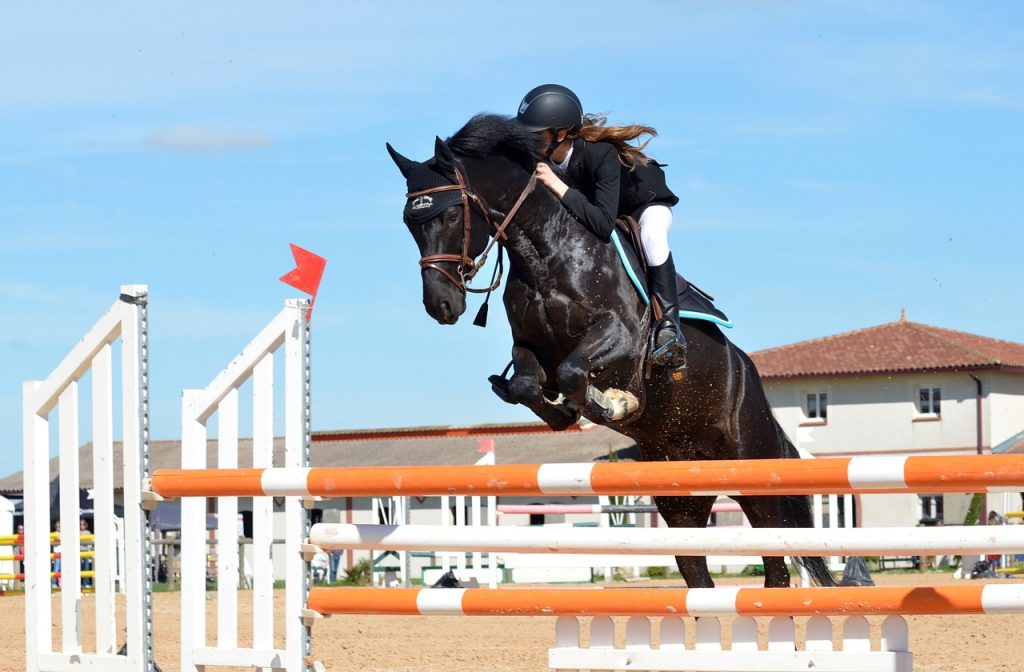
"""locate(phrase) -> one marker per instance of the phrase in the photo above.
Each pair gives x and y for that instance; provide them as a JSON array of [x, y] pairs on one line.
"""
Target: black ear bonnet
[[422, 208], [439, 171]]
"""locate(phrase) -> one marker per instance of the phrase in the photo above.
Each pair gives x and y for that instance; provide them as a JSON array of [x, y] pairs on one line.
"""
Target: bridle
[[467, 265]]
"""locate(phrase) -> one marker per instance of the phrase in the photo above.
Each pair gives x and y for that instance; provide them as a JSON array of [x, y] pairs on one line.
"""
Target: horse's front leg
[[526, 387], [606, 344]]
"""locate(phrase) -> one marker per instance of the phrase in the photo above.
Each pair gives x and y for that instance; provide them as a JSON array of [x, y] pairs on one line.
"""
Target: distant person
[[335, 566], [995, 560], [86, 563], [19, 549], [55, 563]]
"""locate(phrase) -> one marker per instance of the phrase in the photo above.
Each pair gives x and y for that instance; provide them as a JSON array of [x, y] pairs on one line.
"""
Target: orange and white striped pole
[[732, 601], [873, 474]]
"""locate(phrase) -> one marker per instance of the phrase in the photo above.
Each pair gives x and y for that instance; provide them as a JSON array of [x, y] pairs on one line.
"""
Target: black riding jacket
[[602, 189]]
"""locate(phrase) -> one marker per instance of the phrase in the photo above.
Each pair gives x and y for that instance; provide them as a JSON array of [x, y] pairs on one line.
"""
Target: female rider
[[610, 178]]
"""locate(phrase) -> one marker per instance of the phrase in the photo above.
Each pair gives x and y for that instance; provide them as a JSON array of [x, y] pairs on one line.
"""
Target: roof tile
[[895, 347]]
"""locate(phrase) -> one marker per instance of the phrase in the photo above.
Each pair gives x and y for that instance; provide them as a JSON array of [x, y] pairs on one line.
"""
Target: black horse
[[580, 330]]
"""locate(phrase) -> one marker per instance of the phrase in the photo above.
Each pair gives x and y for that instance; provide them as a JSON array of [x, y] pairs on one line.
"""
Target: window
[[929, 400], [931, 509], [817, 406]]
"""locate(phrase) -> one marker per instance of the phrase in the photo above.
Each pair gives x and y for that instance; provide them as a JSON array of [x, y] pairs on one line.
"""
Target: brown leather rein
[[467, 266]]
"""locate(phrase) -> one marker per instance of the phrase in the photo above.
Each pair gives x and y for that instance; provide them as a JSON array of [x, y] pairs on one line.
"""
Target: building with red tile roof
[[899, 388], [893, 348]]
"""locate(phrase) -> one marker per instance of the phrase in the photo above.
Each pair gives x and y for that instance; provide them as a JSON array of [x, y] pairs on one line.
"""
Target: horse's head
[[450, 225]]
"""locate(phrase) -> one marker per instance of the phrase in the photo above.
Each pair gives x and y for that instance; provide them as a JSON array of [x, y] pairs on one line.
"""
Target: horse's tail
[[797, 512]]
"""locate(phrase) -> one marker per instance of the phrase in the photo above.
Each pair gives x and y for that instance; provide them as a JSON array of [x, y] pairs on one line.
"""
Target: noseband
[[467, 266]]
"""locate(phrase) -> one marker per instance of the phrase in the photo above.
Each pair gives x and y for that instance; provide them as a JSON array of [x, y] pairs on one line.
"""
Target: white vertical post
[[833, 522], [475, 521], [70, 539], [446, 521], [460, 521], [227, 526], [104, 535], [263, 507], [38, 605], [405, 560], [492, 520], [119, 546], [193, 536], [603, 521], [377, 516], [135, 417], [296, 450]]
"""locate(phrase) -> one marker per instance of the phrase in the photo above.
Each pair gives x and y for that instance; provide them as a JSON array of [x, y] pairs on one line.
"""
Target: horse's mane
[[488, 134]]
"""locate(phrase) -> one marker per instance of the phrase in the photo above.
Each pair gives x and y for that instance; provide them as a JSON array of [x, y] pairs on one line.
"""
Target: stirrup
[[673, 351]]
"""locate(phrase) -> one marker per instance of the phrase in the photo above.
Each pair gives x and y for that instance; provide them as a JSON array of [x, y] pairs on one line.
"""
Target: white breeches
[[655, 223]]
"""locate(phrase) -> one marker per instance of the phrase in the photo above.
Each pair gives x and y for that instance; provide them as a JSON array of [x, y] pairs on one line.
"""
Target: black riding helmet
[[550, 106]]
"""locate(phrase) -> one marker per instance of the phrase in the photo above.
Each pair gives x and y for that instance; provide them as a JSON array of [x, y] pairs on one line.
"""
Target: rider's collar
[[565, 162]]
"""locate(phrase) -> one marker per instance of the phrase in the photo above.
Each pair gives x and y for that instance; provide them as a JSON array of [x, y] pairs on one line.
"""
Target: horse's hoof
[[561, 424], [619, 404], [499, 386]]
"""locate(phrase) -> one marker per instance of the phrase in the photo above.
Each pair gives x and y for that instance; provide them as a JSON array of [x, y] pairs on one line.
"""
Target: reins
[[467, 266]]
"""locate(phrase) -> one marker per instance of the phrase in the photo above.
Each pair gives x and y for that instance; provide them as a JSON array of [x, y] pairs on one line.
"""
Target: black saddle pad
[[694, 303]]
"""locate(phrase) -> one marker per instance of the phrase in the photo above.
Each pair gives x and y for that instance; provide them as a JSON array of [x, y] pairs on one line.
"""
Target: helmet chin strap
[[553, 145]]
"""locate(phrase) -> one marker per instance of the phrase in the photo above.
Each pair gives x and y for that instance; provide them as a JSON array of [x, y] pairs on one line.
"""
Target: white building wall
[[889, 510], [877, 414], [1006, 395]]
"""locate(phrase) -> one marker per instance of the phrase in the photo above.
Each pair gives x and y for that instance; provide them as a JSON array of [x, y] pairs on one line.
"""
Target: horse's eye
[[451, 216]]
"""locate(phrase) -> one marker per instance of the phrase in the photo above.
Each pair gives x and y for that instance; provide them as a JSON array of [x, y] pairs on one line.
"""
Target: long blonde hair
[[594, 129]]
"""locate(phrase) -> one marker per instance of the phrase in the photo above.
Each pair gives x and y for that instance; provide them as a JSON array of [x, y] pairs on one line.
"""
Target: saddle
[[694, 302]]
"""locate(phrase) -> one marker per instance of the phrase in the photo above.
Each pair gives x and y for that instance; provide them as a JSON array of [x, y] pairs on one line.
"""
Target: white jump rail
[[673, 541], [256, 361], [126, 320]]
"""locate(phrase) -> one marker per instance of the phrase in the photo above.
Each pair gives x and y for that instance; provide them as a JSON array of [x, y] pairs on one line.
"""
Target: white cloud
[[199, 139]]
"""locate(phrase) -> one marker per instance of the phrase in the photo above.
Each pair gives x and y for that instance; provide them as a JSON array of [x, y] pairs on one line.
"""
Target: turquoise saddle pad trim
[[683, 314]]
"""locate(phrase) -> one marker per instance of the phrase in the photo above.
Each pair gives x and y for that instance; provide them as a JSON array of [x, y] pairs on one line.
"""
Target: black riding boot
[[669, 342]]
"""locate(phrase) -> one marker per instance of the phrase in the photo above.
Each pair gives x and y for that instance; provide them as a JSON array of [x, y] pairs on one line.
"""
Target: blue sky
[[835, 161]]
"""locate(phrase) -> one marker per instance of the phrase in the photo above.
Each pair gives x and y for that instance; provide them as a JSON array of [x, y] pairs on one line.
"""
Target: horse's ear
[[404, 165], [445, 161]]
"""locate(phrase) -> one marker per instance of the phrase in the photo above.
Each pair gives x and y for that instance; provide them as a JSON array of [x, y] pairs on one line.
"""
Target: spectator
[[318, 567], [55, 563], [335, 564], [86, 563], [995, 560], [19, 549]]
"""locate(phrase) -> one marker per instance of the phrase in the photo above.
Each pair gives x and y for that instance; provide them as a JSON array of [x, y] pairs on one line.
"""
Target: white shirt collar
[[565, 163]]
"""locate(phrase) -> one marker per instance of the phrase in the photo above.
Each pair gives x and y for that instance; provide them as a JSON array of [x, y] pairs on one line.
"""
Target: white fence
[[125, 320]]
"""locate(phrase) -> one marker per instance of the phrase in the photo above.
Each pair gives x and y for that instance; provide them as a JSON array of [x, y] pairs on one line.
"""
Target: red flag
[[305, 277], [486, 446]]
